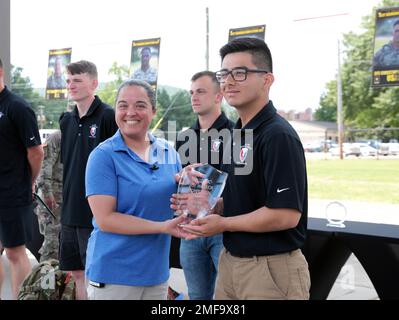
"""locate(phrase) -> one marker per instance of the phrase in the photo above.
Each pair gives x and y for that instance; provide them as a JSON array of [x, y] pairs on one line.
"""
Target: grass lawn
[[354, 179]]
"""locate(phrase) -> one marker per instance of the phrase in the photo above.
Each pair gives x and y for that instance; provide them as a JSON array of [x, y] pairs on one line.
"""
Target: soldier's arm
[[51, 155]]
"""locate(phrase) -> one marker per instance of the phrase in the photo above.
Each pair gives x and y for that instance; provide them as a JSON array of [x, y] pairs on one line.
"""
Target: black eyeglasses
[[238, 74]]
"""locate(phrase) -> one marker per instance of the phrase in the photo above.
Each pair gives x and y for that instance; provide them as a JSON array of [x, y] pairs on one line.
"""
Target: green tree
[[328, 104], [53, 110], [23, 87], [363, 106], [173, 110], [107, 93], [230, 111]]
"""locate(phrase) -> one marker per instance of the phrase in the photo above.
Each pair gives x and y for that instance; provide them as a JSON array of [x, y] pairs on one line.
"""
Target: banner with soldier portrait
[[386, 48], [56, 79], [144, 60], [251, 32]]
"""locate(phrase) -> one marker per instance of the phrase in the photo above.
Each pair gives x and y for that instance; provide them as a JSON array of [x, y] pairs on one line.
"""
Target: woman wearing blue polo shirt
[[129, 180]]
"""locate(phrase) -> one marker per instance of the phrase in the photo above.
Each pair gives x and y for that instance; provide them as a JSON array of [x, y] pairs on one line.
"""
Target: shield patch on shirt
[[215, 145], [243, 153], [93, 131]]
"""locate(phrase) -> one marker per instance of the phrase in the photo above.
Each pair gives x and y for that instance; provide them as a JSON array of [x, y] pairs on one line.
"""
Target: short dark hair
[[209, 74], [1, 63], [139, 83], [82, 66], [396, 23], [261, 55]]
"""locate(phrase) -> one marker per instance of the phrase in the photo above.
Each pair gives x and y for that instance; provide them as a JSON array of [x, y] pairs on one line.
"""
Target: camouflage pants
[[50, 230]]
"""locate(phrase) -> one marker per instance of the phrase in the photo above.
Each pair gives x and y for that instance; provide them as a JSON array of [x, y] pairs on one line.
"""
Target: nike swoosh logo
[[31, 138], [281, 190]]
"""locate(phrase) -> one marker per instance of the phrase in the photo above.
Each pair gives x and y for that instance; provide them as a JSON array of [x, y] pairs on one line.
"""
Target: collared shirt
[[79, 136], [18, 131], [141, 189], [197, 146], [273, 174]]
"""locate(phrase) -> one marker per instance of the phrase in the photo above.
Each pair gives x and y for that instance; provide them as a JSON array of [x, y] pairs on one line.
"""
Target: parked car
[[389, 148], [367, 151], [312, 147], [393, 148], [348, 149], [319, 146]]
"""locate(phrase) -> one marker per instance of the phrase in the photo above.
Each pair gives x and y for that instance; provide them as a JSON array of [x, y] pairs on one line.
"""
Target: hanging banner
[[386, 48], [251, 32], [145, 60], [56, 79]]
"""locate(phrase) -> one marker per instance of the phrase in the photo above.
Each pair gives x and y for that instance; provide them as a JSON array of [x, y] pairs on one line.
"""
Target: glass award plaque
[[200, 197]]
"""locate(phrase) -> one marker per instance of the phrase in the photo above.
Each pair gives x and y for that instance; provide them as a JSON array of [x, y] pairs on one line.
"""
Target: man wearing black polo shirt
[[20, 161], [89, 123], [265, 199], [203, 142]]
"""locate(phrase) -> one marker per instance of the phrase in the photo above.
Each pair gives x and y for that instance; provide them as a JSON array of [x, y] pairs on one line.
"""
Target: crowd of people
[[110, 188]]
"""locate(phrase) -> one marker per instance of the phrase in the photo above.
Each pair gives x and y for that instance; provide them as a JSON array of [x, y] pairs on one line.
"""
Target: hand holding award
[[198, 195]]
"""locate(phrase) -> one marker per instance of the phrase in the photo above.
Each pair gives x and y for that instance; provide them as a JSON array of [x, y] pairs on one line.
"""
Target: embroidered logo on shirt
[[215, 145], [243, 153], [281, 190], [93, 131]]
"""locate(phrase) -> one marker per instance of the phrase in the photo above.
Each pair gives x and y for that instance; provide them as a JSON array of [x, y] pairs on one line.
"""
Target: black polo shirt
[[275, 179], [196, 146], [79, 136], [18, 131], [204, 147]]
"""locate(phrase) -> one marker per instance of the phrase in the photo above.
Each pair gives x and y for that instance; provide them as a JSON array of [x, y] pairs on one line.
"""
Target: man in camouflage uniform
[[146, 72], [388, 55], [50, 189], [57, 79]]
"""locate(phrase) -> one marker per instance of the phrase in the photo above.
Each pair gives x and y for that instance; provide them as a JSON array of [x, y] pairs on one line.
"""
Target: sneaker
[[174, 295]]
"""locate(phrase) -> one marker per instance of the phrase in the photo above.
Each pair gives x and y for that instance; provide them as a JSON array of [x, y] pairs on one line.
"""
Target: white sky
[[304, 53]]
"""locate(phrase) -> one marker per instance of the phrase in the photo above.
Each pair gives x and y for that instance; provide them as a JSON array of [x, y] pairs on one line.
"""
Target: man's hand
[[51, 203], [195, 202], [204, 227]]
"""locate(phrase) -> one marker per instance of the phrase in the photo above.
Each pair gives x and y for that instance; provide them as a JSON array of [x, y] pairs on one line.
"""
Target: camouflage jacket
[[387, 56], [50, 178]]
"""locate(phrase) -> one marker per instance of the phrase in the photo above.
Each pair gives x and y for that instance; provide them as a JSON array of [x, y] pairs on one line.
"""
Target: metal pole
[[339, 105], [5, 40], [207, 40]]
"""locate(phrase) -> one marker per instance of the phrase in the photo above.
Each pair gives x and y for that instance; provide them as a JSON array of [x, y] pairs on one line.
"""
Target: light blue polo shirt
[[114, 169]]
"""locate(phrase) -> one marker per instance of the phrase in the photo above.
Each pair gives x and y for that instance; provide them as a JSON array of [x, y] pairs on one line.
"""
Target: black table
[[376, 246]]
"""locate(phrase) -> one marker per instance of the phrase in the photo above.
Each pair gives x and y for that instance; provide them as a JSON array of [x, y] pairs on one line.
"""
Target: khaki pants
[[277, 277], [119, 292]]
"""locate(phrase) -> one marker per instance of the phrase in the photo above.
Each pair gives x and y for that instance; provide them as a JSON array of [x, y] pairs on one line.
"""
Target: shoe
[[174, 295]]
